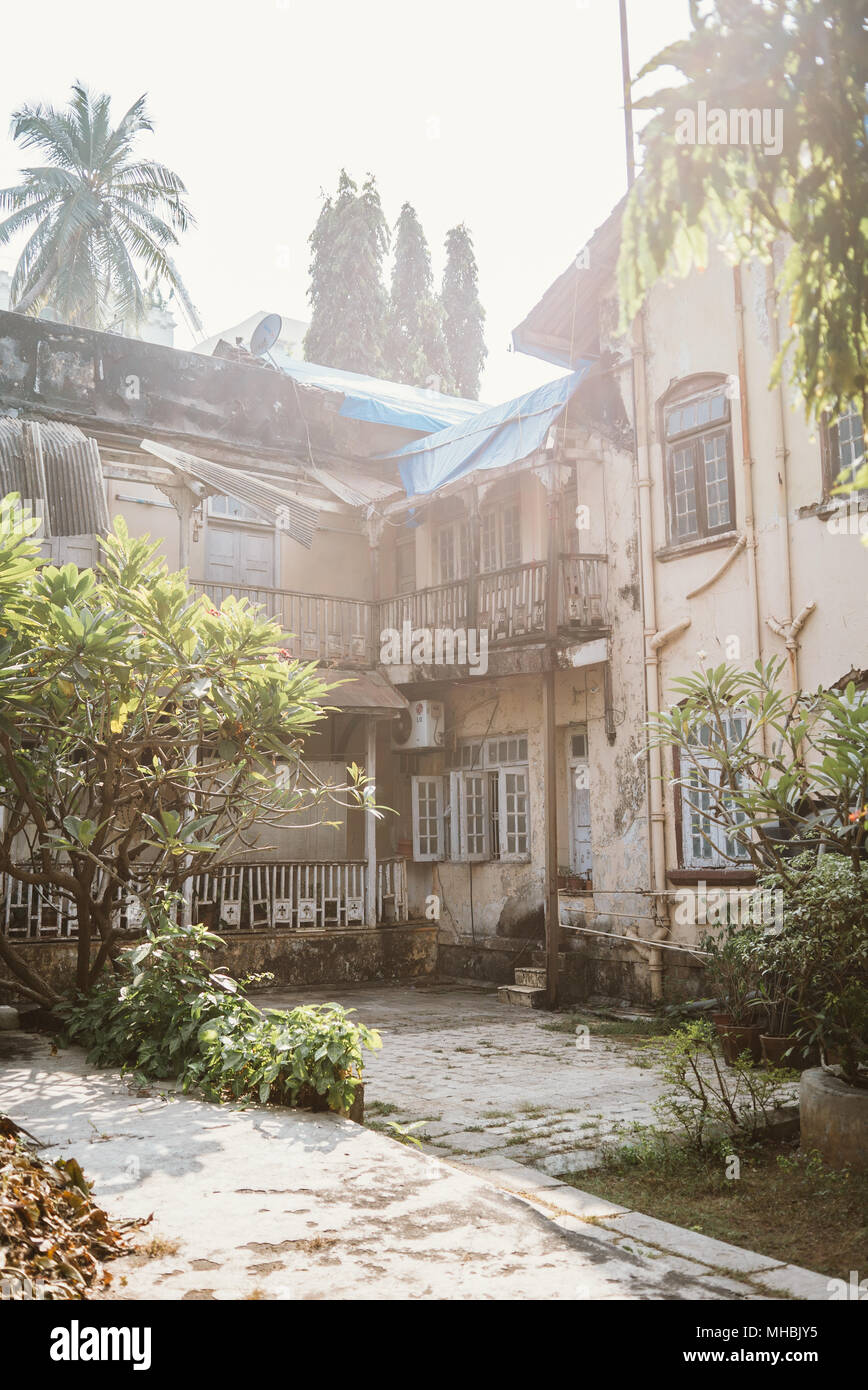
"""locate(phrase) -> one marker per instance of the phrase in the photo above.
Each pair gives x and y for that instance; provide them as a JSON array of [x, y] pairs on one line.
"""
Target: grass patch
[[784, 1204], [381, 1107], [609, 1027]]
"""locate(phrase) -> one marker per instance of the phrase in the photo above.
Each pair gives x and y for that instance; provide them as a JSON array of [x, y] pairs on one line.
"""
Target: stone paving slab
[[800, 1283], [705, 1249], [281, 1204], [495, 1079]]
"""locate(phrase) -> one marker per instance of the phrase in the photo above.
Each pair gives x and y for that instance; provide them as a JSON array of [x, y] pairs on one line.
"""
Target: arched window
[[697, 442]]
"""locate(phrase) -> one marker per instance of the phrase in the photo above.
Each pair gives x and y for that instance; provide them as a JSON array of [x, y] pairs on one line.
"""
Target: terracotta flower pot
[[736, 1038], [721, 1018], [774, 1047]]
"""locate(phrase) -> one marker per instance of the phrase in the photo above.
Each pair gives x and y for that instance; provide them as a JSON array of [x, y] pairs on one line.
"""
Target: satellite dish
[[265, 334]]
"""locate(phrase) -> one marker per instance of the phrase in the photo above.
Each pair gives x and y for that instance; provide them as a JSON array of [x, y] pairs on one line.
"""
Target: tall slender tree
[[416, 345], [463, 314], [347, 292], [98, 212]]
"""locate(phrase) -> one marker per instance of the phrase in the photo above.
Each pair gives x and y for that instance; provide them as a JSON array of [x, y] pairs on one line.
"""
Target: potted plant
[[780, 1040], [824, 948], [733, 978]]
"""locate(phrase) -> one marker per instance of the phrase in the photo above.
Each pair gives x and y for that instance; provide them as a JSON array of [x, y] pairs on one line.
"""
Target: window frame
[[439, 819], [488, 779], [715, 857], [685, 393], [459, 534], [831, 457], [495, 516]]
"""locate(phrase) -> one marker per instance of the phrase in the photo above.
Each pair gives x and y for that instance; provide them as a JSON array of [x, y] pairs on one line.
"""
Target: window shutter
[[514, 813], [428, 836]]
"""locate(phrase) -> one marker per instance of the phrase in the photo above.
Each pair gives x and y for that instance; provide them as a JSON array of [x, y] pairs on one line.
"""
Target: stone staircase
[[529, 990]]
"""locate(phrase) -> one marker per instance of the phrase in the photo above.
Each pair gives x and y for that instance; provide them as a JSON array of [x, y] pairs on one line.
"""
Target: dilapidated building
[[507, 591]]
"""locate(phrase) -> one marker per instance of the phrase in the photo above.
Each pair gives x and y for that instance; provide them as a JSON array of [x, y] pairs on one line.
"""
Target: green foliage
[[819, 960], [404, 1133], [140, 729], [96, 210], [174, 1016], [809, 783], [348, 297], [463, 315], [416, 346], [703, 1097], [807, 60], [732, 973]]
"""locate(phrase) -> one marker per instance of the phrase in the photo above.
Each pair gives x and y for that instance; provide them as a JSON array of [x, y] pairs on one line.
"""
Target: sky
[[503, 114]]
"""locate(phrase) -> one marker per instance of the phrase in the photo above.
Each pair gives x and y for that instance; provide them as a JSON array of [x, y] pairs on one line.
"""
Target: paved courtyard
[[267, 1203], [493, 1080]]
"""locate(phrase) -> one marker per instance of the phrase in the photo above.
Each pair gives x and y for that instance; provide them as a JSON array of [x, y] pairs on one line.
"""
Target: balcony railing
[[583, 598], [256, 897], [317, 627], [511, 604], [446, 605], [307, 896]]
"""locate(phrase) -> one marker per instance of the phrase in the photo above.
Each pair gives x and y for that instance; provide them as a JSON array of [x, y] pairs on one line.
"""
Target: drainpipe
[[747, 467], [781, 456], [552, 900], [657, 845], [371, 826]]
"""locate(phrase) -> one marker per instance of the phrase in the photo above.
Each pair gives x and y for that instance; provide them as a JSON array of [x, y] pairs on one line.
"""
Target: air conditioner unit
[[423, 725]]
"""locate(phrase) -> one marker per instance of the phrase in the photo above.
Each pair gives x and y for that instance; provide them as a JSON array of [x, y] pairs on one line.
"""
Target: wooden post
[[371, 828]]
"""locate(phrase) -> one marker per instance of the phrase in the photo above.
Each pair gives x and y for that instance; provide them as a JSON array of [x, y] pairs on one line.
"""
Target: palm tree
[[96, 210]]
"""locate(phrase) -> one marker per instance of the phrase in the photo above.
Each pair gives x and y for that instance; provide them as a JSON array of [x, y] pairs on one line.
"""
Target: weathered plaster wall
[[299, 958], [691, 328]]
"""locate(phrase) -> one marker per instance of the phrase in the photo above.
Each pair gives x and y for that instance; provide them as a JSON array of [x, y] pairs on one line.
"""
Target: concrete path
[[266, 1203]]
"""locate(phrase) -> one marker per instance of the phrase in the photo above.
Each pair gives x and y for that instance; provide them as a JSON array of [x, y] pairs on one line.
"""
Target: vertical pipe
[[781, 456], [657, 816], [552, 901], [371, 827], [747, 468]]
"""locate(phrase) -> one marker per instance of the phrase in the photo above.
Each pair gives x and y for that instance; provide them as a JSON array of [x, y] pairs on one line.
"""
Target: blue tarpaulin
[[500, 435], [382, 402]]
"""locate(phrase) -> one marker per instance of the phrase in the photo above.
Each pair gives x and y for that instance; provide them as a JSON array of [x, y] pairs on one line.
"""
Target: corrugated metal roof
[[54, 464], [282, 509]]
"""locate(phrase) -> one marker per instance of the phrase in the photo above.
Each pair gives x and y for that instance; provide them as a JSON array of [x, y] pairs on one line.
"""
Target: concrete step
[[524, 995], [536, 976]]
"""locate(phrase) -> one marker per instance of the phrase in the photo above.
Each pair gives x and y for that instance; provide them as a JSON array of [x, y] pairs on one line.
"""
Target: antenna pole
[[628, 102]]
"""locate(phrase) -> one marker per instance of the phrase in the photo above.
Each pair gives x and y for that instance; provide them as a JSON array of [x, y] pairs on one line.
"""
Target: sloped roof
[[563, 327]]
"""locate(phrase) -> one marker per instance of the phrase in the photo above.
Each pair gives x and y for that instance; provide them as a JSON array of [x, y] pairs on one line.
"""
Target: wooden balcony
[[317, 627], [510, 604]]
